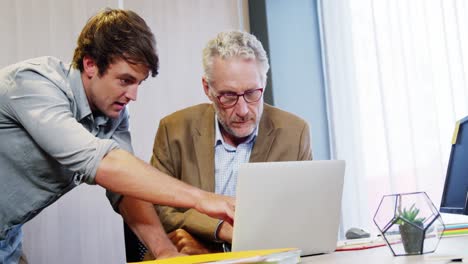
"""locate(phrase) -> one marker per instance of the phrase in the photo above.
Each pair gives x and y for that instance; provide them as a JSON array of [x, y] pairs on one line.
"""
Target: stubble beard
[[231, 131]]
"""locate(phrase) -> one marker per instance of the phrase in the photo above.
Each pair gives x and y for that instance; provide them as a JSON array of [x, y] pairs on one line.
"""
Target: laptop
[[293, 204]]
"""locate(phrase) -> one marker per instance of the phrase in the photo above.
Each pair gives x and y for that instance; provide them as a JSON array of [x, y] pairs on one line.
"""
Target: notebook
[[288, 204]]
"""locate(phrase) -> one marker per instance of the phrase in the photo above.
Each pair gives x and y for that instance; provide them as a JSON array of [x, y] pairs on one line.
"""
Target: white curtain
[[81, 227], [396, 73]]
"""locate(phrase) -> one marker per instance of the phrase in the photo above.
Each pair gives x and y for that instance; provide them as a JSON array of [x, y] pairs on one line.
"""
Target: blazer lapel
[[265, 138], [203, 140]]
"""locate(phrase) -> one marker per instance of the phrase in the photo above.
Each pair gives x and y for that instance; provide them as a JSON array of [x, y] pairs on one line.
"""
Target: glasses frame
[[239, 95]]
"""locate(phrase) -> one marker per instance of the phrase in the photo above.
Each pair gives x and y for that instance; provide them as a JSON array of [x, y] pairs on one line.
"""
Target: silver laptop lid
[[288, 204]]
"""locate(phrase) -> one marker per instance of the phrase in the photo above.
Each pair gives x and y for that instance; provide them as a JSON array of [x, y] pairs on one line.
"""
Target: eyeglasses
[[230, 99]]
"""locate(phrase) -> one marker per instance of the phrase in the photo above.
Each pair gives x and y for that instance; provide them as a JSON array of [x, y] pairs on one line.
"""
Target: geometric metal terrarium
[[409, 223]]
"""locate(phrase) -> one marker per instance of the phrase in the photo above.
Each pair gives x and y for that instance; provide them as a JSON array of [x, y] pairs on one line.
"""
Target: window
[[396, 74]]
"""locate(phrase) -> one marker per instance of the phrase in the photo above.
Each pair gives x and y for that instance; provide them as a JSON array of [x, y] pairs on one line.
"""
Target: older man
[[203, 145]]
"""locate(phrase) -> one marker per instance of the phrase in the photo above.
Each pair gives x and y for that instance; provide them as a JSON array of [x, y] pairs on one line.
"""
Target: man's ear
[[90, 68], [205, 86]]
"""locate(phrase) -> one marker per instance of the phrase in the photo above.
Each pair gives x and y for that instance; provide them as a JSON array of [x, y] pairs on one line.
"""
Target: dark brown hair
[[115, 33]]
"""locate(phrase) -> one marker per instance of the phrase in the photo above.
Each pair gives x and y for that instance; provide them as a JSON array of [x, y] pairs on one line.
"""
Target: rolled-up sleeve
[[45, 113]]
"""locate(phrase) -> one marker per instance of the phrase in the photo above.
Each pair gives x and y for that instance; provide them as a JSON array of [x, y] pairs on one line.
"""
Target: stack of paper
[[455, 224], [280, 256], [359, 244]]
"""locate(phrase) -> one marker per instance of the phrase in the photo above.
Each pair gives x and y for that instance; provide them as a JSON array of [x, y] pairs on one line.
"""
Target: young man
[[203, 145], [62, 125]]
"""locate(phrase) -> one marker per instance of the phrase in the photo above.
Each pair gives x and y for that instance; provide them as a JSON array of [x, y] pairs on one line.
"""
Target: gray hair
[[234, 44]]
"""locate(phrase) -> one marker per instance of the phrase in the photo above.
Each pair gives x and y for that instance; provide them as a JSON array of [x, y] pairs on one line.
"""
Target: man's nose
[[132, 92], [242, 107]]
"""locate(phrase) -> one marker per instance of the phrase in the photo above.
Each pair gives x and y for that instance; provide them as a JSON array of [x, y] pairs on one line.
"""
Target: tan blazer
[[184, 148]]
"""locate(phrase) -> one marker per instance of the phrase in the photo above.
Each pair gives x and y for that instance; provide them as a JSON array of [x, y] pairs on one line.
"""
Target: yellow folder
[[251, 256]]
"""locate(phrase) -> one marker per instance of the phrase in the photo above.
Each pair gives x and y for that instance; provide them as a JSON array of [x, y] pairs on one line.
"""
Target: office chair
[[134, 248]]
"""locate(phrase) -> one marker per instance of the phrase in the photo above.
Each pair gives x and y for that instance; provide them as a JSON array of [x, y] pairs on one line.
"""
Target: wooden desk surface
[[449, 247]]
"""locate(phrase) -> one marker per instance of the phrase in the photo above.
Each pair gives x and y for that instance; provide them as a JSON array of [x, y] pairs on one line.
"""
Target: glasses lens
[[253, 95], [228, 99]]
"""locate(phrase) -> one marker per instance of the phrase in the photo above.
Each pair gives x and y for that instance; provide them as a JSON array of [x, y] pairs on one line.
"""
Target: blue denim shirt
[[50, 141]]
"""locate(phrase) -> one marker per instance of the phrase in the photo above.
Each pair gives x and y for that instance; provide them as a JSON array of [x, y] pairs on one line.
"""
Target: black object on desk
[[455, 195]]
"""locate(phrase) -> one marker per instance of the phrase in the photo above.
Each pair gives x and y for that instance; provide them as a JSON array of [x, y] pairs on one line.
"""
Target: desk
[[448, 246]]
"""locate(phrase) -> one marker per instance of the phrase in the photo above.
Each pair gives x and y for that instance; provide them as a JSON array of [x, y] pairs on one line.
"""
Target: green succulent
[[410, 215]]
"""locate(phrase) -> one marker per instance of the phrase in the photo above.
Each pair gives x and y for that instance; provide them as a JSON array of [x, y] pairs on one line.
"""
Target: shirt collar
[[82, 104], [220, 140]]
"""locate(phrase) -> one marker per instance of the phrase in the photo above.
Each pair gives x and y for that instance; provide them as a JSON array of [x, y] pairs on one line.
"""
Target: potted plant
[[411, 229], [409, 223]]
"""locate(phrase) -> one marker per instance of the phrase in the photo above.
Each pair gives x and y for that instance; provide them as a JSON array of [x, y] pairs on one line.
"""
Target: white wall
[[81, 227]]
